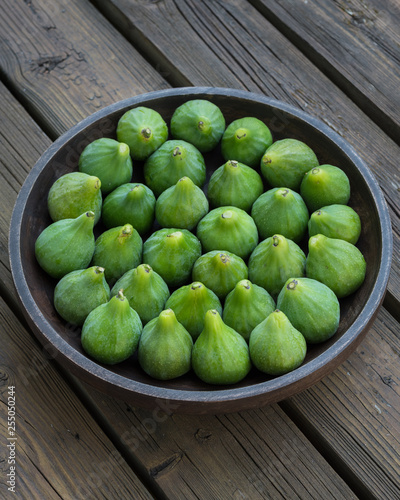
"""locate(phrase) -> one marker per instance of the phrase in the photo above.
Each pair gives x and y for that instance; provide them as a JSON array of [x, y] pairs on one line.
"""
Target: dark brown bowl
[[188, 394]]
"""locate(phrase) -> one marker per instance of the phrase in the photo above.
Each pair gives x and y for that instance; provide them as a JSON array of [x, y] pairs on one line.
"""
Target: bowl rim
[[80, 364]]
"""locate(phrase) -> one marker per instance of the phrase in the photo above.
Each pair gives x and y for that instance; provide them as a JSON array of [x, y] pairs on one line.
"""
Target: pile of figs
[[242, 272]]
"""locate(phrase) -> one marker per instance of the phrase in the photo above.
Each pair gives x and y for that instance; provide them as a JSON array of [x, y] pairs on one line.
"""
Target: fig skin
[[190, 304], [276, 346], [172, 161], [325, 185], [219, 271], [234, 184], [165, 347], [199, 122], [286, 161], [111, 332], [311, 307], [281, 211], [143, 130], [172, 252], [245, 140], [145, 290], [336, 221], [79, 292], [182, 205], [275, 260], [117, 250], [109, 160], [73, 194], [66, 245], [220, 354], [336, 263], [246, 306], [131, 203], [230, 228]]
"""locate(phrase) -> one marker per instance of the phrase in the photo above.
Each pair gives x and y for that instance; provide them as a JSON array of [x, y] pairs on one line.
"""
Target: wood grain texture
[[60, 450], [362, 426], [65, 61], [356, 42], [250, 455], [250, 53]]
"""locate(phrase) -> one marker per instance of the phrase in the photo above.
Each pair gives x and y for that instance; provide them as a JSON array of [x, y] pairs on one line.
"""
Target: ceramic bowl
[[188, 394]]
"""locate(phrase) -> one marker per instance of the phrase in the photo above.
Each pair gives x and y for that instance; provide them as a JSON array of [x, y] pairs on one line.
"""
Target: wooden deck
[[340, 62]]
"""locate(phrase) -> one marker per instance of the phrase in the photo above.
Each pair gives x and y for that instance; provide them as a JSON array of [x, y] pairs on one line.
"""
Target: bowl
[[188, 394]]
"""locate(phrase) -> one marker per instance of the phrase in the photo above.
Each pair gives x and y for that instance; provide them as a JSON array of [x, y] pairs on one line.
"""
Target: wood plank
[[232, 44], [354, 414], [66, 61], [357, 43], [60, 451], [250, 455]]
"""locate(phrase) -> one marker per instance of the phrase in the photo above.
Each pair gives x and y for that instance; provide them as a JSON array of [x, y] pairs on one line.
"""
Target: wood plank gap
[[144, 46], [391, 304], [106, 425], [374, 112], [24, 101], [323, 447], [297, 409]]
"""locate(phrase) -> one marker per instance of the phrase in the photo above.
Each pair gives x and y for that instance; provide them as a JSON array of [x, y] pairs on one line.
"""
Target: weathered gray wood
[[65, 61], [232, 44], [355, 42], [362, 426], [250, 455], [60, 451]]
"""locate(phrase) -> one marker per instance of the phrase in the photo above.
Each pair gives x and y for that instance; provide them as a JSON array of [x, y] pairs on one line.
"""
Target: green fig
[[181, 205], [111, 332], [220, 354], [336, 221], [117, 250], [75, 193], [165, 347], [146, 291], [337, 263], [66, 245], [172, 252], [325, 185], [276, 347], [109, 160], [219, 271], [131, 203], [190, 304], [199, 122], [281, 211], [230, 228], [234, 184], [143, 129], [79, 292], [246, 306], [286, 161], [245, 140], [311, 307], [172, 161], [275, 260]]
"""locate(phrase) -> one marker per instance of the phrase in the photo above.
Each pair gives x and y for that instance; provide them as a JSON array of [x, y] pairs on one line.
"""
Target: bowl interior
[[283, 122]]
